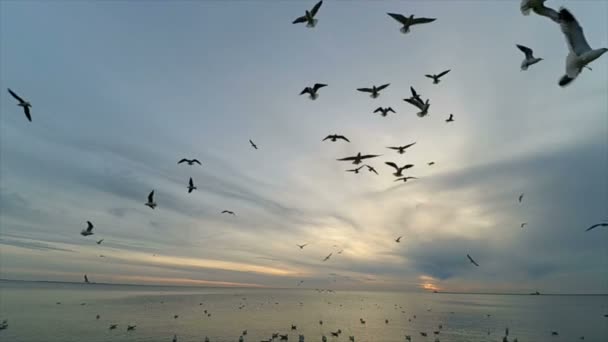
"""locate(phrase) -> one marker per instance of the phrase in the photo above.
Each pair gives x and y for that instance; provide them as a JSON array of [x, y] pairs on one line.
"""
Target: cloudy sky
[[122, 90]]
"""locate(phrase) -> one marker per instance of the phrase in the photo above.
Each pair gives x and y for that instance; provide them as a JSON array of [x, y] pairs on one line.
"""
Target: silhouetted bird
[[309, 16], [436, 77], [313, 91], [406, 22], [22, 103]]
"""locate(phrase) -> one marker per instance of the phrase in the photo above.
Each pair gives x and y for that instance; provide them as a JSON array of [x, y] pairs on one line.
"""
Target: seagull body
[[358, 158], [397, 240], [87, 231], [384, 111], [423, 106], [22, 103], [327, 257], [404, 179], [191, 185], [253, 145], [580, 53], [401, 149], [472, 261], [356, 171], [229, 212], [189, 161], [335, 137], [436, 77], [529, 59], [151, 202], [399, 170], [309, 16], [538, 6], [597, 225], [450, 119], [313, 91], [374, 91], [406, 22]]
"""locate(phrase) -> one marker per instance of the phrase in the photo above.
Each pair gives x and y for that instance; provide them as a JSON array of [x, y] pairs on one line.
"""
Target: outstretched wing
[[318, 86], [196, 161], [182, 161], [379, 109], [366, 90], [423, 20], [414, 102], [26, 110], [382, 86], [526, 50], [347, 159], [472, 261], [394, 148], [89, 226], [190, 182], [151, 197], [299, 20], [443, 73], [367, 156], [391, 164], [342, 137], [597, 225], [389, 109], [15, 95], [306, 90], [399, 17], [327, 137], [315, 9], [429, 76], [409, 145], [575, 38]]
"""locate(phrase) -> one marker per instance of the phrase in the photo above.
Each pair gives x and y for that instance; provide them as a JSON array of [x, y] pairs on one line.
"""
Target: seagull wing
[[299, 20], [390, 110], [26, 110], [196, 161], [315, 9], [15, 96], [409, 145], [597, 225], [327, 137], [190, 182], [399, 17], [414, 102], [443, 73], [379, 109], [429, 76], [151, 197], [407, 166], [575, 38], [318, 86], [382, 86], [89, 226], [526, 50], [393, 148], [371, 169], [366, 90], [342, 137], [347, 158], [367, 156], [182, 161], [547, 12], [306, 90], [391, 164], [422, 20], [414, 94], [472, 261]]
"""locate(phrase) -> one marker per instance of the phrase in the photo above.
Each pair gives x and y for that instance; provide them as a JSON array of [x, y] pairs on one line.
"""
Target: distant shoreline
[[286, 288]]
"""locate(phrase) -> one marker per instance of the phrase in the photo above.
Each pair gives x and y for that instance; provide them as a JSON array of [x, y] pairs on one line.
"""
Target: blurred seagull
[[99, 242], [529, 59], [355, 171], [472, 261], [409, 21], [404, 179], [22, 103], [302, 246], [397, 240], [423, 106], [229, 212], [401, 149], [86, 279], [523, 224], [327, 257], [375, 91], [370, 168], [399, 170], [384, 111], [191, 185], [335, 137], [190, 161], [437, 76], [313, 91], [131, 327], [309, 16], [581, 53], [450, 119], [113, 326], [358, 158], [253, 145], [521, 197], [597, 225], [151, 202], [87, 231]]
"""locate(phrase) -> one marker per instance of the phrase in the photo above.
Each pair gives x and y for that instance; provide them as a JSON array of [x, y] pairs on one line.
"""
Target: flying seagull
[[538, 6], [423, 106], [384, 111], [597, 225], [431, 163], [374, 91], [309, 16], [581, 53], [523, 224], [302, 246], [397, 240], [189, 161], [409, 21], [401, 149], [313, 91], [437, 76], [327, 257], [399, 170], [87, 231], [99, 242], [22, 103], [86, 279], [131, 327], [472, 261], [415, 95], [113, 326], [191, 185], [151, 202], [371, 169], [529, 59], [335, 137], [450, 119], [229, 212], [253, 145], [521, 197], [355, 171], [404, 179], [358, 158]]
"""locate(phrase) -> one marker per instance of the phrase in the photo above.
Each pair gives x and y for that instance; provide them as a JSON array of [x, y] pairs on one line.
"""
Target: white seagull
[[309, 16], [529, 59]]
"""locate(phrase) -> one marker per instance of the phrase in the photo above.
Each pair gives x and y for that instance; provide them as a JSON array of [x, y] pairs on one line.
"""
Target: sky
[[122, 90]]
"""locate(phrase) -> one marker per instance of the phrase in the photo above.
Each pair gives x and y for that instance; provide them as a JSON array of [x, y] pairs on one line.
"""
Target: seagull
[[450, 119], [530, 59], [356, 171], [384, 111], [375, 91], [88, 231], [423, 106], [370, 168], [151, 202], [399, 170], [404, 179], [97, 317], [539, 8], [327, 257], [597, 225], [190, 161], [401, 149], [131, 327], [302, 246], [229, 212], [309, 16], [86, 279], [523, 224], [22, 103], [472, 261], [397, 240], [313, 91], [191, 185], [409, 21], [580, 53], [431, 163], [521, 197], [113, 326], [358, 158], [415, 95], [253, 145], [438, 76], [99, 242], [335, 137]]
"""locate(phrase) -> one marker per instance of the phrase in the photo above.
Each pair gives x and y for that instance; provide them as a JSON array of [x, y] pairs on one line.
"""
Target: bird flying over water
[[358, 158], [529, 59], [399, 170], [450, 119], [191, 185], [374, 91], [335, 137], [190, 161], [423, 106], [580, 53], [309, 16], [404, 179], [99, 242], [313, 91], [229, 212], [327, 257], [472, 261], [401, 149], [87, 231], [151, 202], [406, 22], [384, 111], [302, 246], [436, 77], [22, 103], [397, 240], [597, 225], [253, 145]]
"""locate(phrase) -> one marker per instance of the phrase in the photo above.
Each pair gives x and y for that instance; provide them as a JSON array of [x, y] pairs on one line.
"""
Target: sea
[[62, 312]]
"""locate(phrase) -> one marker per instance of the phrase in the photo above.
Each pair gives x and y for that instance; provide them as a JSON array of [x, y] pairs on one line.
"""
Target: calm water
[[33, 314]]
